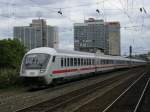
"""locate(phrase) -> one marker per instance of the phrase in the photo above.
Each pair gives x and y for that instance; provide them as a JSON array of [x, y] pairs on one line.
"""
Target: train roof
[[53, 51], [46, 50]]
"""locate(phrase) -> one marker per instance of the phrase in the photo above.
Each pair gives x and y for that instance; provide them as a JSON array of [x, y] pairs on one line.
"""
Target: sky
[[135, 23]]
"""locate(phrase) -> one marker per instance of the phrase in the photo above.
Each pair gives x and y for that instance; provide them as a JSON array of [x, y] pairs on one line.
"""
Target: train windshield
[[36, 61]]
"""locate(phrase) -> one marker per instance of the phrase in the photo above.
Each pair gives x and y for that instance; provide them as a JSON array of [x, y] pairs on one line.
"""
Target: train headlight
[[42, 71]]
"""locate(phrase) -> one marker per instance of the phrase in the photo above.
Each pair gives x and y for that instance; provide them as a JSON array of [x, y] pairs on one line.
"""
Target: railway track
[[64, 100], [29, 94], [144, 102], [27, 99], [134, 98], [101, 102], [13, 103]]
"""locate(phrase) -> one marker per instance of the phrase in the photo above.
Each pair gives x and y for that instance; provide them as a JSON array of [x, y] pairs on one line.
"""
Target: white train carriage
[[47, 65]]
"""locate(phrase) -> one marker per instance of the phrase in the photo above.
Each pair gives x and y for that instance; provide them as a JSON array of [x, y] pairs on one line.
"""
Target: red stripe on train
[[63, 71], [70, 70], [74, 70]]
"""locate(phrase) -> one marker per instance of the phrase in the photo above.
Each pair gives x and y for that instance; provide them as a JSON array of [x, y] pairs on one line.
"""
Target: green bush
[[9, 77]]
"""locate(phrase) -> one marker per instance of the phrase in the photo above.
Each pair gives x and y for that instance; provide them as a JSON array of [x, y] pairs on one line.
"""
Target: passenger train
[[47, 65]]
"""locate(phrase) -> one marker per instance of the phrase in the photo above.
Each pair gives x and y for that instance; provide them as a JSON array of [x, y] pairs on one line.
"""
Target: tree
[[11, 53]]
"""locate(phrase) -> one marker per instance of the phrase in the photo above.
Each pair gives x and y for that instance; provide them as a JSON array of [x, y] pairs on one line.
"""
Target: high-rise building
[[89, 36], [113, 33], [37, 34], [97, 35]]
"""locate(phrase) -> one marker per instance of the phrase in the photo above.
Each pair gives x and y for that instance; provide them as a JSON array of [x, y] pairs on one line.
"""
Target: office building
[[89, 36], [37, 34], [113, 35], [97, 35]]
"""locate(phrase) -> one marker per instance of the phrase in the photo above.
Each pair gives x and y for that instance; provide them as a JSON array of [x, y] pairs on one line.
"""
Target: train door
[[95, 64]]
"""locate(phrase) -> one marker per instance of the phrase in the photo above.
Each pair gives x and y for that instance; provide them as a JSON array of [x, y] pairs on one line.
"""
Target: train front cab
[[34, 69]]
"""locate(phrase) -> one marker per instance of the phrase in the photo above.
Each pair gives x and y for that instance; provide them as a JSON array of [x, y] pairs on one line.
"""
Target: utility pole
[[130, 51], [130, 54]]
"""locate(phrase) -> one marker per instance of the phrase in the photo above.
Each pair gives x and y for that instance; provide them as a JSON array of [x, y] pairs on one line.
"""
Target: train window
[[75, 61], [53, 60], [103, 61], [68, 62], [79, 62], [88, 61], [62, 62], [65, 62], [36, 61], [97, 61], [93, 61], [107, 61], [85, 61], [117, 61], [111, 61], [71, 61]]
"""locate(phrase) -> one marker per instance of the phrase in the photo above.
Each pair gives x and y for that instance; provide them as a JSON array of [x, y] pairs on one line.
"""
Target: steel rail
[[123, 92]]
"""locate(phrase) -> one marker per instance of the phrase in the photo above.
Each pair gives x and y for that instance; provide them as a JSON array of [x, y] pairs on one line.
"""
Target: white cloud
[[20, 13]]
